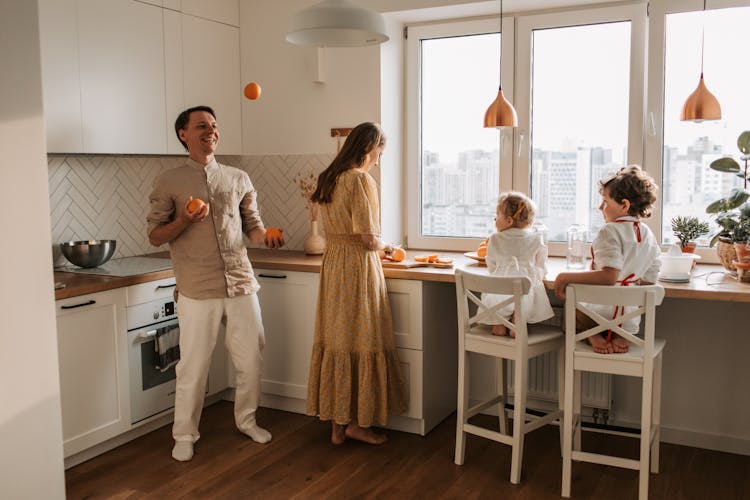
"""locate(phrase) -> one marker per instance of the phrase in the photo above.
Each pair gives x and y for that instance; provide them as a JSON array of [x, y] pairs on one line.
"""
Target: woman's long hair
[[363, 138]]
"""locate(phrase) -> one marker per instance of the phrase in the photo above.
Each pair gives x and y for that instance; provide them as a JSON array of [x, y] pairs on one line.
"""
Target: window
[[454, 174], [688, 184], [582, 74]]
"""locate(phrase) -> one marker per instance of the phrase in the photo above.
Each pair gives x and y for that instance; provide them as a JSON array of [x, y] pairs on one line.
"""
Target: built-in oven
[[151, 389]]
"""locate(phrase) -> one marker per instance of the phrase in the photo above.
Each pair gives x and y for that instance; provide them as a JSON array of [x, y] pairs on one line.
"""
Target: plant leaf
[[725, 164], [737, 198], [743, 142]]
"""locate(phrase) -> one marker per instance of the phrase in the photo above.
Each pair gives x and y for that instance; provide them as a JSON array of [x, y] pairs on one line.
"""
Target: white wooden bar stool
[[476, 337], [643, 360]]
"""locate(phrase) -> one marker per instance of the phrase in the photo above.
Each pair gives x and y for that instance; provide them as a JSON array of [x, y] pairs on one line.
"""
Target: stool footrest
[[596, 458], [488, 434]]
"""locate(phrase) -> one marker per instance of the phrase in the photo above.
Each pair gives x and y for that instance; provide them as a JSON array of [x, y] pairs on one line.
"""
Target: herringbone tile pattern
[[106, 197]]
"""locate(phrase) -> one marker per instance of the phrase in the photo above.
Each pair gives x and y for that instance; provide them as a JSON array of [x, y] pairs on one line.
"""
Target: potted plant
[[687, 230], [733, 212]]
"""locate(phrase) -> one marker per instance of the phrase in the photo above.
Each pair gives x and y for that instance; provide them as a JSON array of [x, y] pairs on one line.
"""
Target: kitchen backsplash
[[106, 197]]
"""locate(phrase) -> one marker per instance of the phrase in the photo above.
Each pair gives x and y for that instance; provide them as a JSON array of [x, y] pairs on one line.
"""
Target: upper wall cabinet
[[117, 72], [121, 60], [203, 68]]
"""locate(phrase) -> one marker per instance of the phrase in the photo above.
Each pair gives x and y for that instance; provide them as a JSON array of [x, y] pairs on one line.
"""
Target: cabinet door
[[287, 301], [405, 297], [205, 41], [121, 53], [411, 370], [92, 350], [60, 76]]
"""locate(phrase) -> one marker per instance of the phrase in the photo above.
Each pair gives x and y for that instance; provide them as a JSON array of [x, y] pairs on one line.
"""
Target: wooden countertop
[[710, 282]]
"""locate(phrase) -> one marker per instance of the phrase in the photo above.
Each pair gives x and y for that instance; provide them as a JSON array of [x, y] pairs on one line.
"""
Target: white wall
[[31, 461]]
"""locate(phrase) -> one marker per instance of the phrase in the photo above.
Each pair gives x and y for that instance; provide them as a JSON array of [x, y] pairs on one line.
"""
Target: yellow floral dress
[[355, 375]]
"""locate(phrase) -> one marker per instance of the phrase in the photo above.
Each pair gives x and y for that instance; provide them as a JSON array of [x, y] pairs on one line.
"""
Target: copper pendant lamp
[[701, 104], [501, 112]]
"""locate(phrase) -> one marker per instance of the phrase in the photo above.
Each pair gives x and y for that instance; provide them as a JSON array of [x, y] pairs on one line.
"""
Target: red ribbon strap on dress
[[626, 281], [636, 227]]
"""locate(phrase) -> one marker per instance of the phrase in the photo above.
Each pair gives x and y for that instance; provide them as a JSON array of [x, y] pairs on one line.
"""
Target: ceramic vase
[[315, 243], [743, 251], [689, 247]]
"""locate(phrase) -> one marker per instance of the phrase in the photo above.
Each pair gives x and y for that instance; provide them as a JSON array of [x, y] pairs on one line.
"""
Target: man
[[214, 275]]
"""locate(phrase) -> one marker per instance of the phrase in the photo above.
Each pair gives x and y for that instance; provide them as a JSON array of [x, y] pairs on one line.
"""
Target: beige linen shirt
[[210, 258]]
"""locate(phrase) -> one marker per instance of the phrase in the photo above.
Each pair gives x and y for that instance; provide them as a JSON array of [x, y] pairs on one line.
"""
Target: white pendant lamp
[[336, 23], [501, 112], [701, 104]]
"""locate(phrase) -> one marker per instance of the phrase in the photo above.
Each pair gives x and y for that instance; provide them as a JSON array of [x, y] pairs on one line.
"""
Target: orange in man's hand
[[195, 205], [274, 233], [252, 91]]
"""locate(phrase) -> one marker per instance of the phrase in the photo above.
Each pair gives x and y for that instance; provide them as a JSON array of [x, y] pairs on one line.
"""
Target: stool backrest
[[470, 286], [640, 301]]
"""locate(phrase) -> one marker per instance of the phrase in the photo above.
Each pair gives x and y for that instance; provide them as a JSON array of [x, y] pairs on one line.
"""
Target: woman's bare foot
[[600, 344], [338, 433], [620, 344], [500, 331], [365, 435]]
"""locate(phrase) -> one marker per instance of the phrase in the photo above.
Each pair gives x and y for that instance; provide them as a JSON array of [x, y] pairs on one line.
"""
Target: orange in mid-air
[[195, 205], [252, 91], [482, 250]]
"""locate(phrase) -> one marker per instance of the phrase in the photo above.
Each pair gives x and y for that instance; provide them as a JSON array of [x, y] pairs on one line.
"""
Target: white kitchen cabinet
[[121, 61], [424, 324], [61, 85], [287, 301], [93, 357], [117, 72], [190, 44]]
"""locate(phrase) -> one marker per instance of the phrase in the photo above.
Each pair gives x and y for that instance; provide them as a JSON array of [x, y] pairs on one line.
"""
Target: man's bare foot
[[338, 434], [500, 331], [620, 344], [600, 344], [365, 435]]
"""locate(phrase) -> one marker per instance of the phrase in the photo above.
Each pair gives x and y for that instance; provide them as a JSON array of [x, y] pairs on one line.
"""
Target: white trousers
[[200, 321]]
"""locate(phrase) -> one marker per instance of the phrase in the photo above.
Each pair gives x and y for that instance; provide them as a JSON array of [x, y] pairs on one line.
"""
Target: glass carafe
[[575, 255]]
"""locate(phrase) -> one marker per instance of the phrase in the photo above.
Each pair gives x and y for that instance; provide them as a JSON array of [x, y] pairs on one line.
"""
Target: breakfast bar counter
[[709, 282]]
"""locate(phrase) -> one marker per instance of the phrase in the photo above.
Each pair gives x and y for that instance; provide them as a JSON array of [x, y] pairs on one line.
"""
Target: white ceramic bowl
[[677, 267]]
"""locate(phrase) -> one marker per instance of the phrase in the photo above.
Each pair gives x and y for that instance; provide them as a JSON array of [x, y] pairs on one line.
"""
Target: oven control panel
[[141, 315]]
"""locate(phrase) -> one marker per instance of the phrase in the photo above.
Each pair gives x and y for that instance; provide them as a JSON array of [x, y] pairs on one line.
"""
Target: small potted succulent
[[687, 230], [732, 212]]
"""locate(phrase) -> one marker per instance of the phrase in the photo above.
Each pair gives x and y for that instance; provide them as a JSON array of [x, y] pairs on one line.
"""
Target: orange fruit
[[252, 91], [422, 258], [445, 260], [432, 258], [194, 205], [274, 233], [482, 251], [398, 254]]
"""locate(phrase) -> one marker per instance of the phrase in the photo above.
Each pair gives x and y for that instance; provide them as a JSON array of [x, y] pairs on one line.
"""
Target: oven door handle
[[146, 336]]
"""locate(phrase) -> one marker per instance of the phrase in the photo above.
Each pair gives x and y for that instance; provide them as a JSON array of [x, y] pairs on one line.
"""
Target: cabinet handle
[[276, 276], [90, 302], [159, 287]]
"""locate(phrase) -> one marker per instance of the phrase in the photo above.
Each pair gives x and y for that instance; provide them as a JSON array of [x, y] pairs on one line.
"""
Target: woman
[[355, 376]]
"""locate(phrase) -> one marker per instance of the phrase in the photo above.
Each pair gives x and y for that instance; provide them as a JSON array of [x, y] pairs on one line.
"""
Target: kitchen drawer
[[153, 290], [405, 297]]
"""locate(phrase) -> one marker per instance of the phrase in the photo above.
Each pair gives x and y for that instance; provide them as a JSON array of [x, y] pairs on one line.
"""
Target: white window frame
[[413, 160], [654, 133], [636, 14]]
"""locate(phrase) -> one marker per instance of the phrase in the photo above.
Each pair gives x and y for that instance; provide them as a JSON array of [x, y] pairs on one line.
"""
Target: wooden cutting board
[[410, 263]]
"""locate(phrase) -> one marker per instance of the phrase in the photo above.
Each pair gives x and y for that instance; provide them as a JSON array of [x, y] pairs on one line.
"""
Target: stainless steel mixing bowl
[[88, 253]]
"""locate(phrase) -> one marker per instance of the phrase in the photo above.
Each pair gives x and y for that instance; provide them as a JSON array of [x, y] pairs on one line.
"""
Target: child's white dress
[[629, 245], [519, 252]]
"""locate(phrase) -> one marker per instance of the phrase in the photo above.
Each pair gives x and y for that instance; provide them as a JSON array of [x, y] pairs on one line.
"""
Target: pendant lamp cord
[[703, 35], [501, 44]]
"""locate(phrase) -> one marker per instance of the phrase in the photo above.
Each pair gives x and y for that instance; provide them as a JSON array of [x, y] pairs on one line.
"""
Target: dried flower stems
[[307, 182]]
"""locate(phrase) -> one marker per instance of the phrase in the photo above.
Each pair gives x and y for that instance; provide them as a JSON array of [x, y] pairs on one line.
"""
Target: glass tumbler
[[575, 255]]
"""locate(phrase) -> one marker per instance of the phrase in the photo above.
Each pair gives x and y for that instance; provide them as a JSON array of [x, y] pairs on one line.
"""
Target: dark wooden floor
[[300, 462]]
